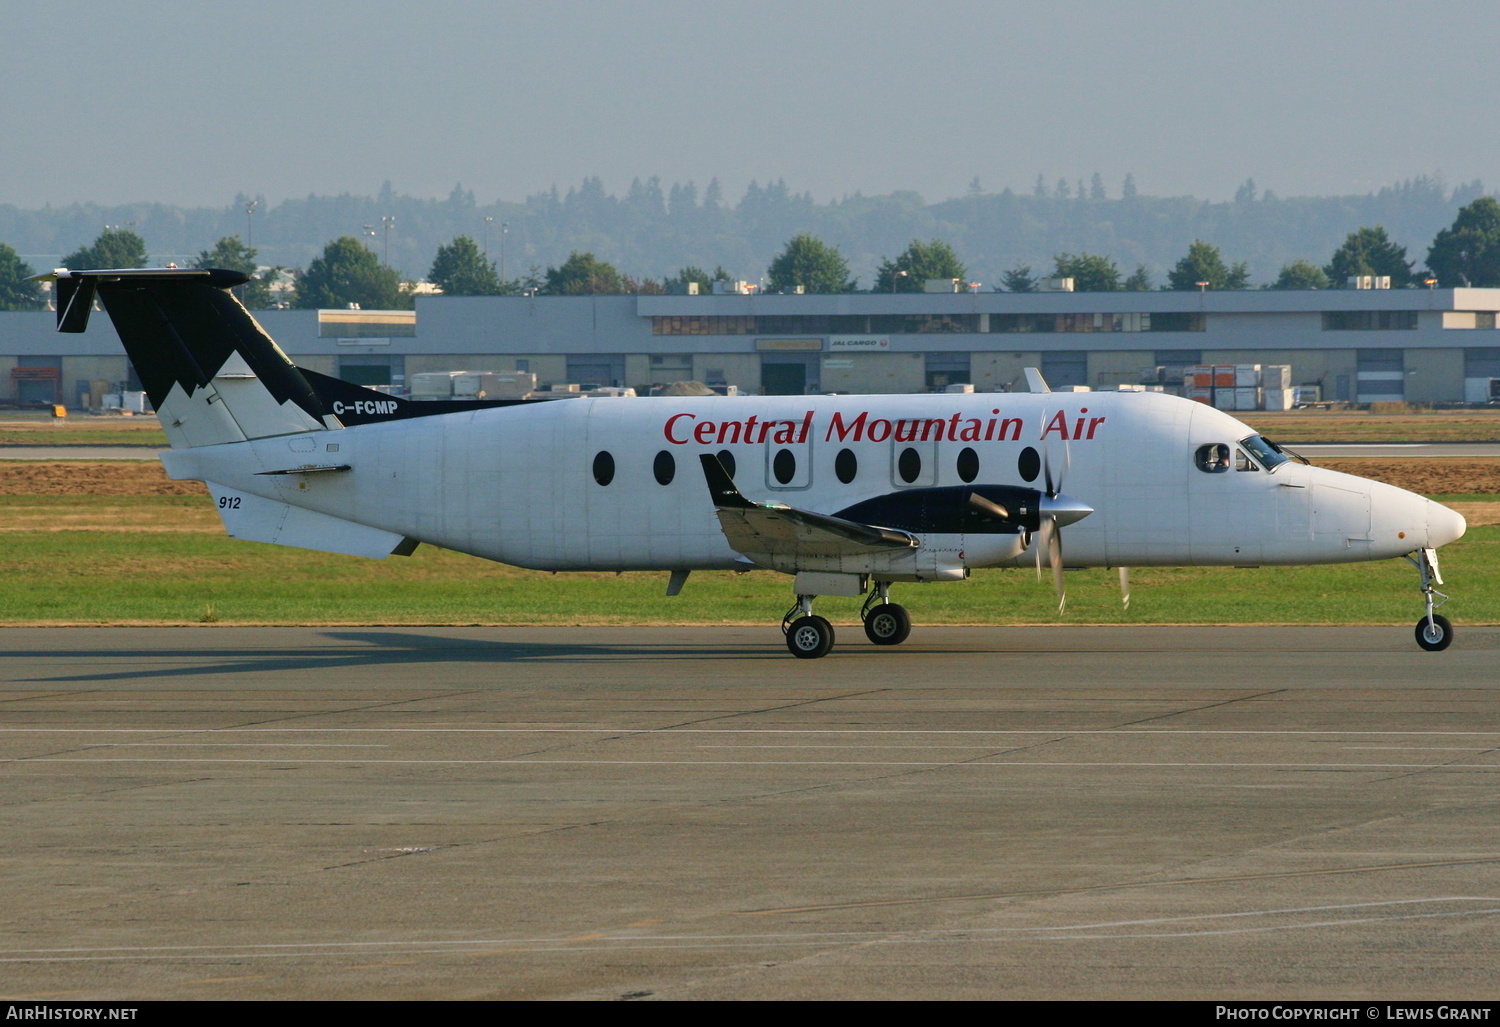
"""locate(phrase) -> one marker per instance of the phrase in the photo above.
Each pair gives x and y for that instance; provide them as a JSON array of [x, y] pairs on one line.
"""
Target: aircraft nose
[[1443, 525]]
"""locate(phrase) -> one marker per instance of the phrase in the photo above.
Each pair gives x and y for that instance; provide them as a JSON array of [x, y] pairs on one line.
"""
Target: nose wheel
[[1434, 632]]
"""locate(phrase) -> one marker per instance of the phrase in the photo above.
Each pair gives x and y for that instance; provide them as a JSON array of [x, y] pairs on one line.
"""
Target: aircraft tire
[[1436, 638], [809, 637], [888, 624]]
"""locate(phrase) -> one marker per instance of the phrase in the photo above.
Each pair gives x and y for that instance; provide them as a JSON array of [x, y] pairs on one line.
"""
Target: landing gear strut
[[885, 622], [1434, 633], [807, 636]]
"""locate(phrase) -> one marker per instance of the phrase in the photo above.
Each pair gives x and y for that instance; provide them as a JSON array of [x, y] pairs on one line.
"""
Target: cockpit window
[[1242, 462], [1267, 452], [1212, 458]]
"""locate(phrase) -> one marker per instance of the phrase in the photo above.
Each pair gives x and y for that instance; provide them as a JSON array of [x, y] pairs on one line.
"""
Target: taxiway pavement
[[684, 813]]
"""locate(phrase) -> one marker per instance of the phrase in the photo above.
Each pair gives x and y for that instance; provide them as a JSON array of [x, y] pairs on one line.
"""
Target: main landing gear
[[809, 636], [1434, 633], [885, 622]]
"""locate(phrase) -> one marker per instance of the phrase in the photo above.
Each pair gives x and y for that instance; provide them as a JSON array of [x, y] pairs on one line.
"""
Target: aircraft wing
[[764, 529]]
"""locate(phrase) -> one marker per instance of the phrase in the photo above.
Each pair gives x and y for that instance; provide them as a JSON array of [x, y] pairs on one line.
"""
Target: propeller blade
[[1054, 558], [988, 507], [1125, 587], [1054, 485]]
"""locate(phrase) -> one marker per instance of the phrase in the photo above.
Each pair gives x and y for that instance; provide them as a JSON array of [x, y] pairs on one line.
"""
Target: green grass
[[113, 577], [1463, 497], [83, 432]]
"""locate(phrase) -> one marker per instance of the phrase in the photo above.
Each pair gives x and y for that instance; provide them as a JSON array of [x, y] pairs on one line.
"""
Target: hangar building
[[1359, 345]]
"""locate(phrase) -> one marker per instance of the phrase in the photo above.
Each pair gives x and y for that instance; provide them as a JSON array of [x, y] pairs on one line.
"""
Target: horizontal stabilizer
[[77, 290], [254, 519], [74, 301]]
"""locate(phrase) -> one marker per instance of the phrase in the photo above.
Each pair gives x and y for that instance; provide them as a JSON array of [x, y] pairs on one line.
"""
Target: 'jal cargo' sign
[[868, 343]]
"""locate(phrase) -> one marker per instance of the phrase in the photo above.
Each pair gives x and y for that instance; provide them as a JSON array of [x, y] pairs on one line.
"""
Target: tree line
[[653, 230], [1466, 253]]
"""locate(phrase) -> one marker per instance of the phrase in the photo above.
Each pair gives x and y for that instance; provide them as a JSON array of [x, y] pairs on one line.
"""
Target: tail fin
[[211, 371]]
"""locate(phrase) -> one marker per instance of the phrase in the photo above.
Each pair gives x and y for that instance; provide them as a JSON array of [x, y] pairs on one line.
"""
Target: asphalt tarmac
[[691, 813]]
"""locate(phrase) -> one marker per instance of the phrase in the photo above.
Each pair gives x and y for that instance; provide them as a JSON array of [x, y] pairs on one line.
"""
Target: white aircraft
[[849, 494]]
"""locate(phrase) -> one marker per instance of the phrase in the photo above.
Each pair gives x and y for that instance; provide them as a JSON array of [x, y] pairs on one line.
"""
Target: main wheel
[[809, 637], [1434, 637], [888, 624]]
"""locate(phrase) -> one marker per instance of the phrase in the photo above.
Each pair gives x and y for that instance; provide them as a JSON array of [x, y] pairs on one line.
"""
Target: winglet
[[1035, 382], [726, 495]]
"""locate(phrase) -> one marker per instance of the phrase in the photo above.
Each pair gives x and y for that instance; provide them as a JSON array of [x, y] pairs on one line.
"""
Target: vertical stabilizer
[[211, 371]]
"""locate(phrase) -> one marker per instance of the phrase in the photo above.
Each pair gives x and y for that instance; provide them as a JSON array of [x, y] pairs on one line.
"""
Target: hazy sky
[[192, 102]]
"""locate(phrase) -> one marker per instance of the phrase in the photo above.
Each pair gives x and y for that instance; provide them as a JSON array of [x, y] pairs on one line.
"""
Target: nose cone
[[1443, 525]]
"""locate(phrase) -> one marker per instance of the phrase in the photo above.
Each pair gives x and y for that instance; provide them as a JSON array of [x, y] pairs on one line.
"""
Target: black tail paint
[[179, 327]]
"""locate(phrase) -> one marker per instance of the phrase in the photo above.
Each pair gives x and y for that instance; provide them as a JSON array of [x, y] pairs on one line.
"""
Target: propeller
[[1051, 540], [1056, 510]]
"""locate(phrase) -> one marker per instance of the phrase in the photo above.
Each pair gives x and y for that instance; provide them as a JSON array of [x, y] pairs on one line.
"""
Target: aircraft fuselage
[[615, 484]]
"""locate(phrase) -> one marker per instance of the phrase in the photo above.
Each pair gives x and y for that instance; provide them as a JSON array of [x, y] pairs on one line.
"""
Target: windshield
[[1264, 450]]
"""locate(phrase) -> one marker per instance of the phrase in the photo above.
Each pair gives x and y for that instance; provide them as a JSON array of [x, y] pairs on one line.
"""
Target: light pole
[[386, 223], [249, 225], [895, 276], [504, 228], [487, 236]]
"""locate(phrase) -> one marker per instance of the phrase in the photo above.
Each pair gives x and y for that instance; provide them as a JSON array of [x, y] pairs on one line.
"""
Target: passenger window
[[784, 466], [664, 467], [909, 465], [1029, 464], [968, 464], [604, 468], [846, 465], [1213, 458]]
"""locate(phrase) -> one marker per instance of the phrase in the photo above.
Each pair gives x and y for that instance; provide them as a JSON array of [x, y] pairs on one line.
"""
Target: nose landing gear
[[1434, 632]]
